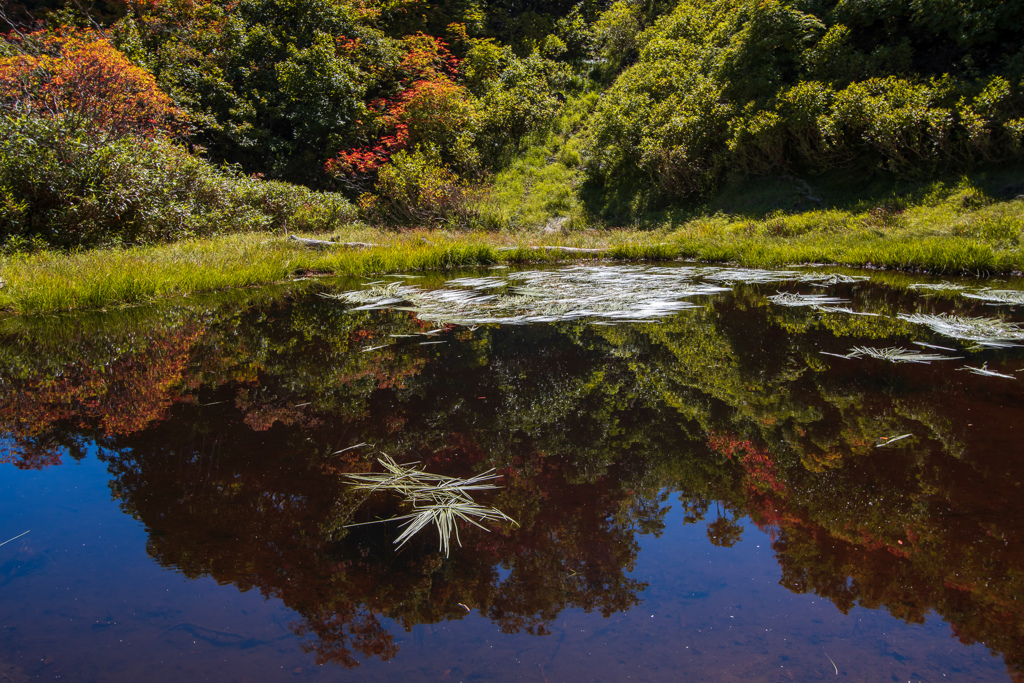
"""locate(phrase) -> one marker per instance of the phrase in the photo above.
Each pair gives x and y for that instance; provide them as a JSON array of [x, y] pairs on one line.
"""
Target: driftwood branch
[[320, 244], [571, 250]]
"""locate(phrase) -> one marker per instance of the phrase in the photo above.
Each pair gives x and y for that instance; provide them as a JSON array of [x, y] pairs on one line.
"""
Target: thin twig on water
[[15, 538]]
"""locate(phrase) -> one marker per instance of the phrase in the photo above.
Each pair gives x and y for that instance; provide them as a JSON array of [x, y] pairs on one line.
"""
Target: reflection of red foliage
[[337, 634], [261, 416], [461, 449], [120, 398], [760, 465], [385, 372], [768, 512], [25, 457]]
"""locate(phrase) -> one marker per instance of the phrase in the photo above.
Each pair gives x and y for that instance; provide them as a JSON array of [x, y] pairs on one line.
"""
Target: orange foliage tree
[[79, 74]]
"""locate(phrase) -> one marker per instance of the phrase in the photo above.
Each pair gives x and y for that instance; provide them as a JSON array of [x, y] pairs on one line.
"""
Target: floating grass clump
[[983, 331], [605, 294], [799, 300], [435, 499], [985, 372], [937, 287], [1009, 297], [758, 276], [613, 293], [896, 354]]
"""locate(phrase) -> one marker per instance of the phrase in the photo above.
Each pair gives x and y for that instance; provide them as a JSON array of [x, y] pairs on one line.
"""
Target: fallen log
[[571, 250], [320, 244]]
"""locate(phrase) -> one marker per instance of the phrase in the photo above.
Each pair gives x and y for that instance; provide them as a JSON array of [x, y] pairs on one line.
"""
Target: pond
[[708, 474]]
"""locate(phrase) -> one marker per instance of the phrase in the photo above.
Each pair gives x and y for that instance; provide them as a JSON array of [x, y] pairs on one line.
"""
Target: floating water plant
[[771, 277], [435, 499], [375, 297], [985, 372], [984, 331], [831, 278], [752, 276], [889, 440], [614, 293], [1008, 297], [896, 354], [617, 294], [937, 287], [845, 309], [798, 300]]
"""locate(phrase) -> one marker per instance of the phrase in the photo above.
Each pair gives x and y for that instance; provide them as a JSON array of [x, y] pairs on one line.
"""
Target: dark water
[[706, 495]]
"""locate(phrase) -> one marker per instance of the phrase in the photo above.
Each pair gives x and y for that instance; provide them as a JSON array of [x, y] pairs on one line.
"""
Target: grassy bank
[[954, 231], [45, 282], [960, 226]]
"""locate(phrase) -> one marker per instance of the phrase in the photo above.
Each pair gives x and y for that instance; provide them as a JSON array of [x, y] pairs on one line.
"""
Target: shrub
[[415, 189], [72, 188], [765, 86]]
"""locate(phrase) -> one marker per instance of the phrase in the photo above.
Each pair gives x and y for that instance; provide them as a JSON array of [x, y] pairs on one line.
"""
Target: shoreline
[[50, 282]]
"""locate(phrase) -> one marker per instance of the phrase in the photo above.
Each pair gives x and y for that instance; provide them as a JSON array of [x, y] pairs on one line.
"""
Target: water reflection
[[225, 428]]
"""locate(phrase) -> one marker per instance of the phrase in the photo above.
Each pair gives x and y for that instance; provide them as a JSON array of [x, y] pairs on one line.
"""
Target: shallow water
[[716, 492]]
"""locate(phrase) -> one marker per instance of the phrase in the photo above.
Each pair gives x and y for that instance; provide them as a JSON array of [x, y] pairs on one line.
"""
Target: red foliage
[[81, 74], [429, 106]]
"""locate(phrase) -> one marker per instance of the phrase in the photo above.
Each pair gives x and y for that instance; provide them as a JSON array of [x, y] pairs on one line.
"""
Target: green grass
[[960, 226], [49, 281]]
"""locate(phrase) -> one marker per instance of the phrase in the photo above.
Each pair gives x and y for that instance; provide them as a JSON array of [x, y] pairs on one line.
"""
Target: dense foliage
[[412, 105], [745, 86]]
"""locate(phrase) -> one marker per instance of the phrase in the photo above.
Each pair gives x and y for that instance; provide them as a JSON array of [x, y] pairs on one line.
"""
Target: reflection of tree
[[725, 532], [223, 428], [260, 510], [118, 394]]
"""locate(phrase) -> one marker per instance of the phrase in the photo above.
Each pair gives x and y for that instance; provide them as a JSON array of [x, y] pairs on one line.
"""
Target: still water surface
[[706, 487]]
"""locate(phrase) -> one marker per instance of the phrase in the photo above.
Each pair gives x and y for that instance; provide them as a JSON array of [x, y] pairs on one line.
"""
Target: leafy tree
[[80, 77]]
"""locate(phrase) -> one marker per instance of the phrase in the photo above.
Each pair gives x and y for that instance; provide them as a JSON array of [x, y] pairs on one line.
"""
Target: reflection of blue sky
[[81, 597]]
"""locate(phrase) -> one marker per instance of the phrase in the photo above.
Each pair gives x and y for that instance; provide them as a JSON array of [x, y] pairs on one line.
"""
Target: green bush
[[523, 97], [416, 189], [70, 188], [725, 87]]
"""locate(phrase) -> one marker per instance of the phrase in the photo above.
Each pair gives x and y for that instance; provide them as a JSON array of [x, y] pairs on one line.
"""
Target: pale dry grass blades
[[983, 331], [896, 354], [435, 499], [985, 372], [611, 293], [1007, 297], [799, 300]]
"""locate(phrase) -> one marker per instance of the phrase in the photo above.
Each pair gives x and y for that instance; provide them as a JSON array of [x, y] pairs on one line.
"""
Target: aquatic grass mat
[[893, 354], [983, 331], [1008, 297], [603, 294], [800, 300]]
